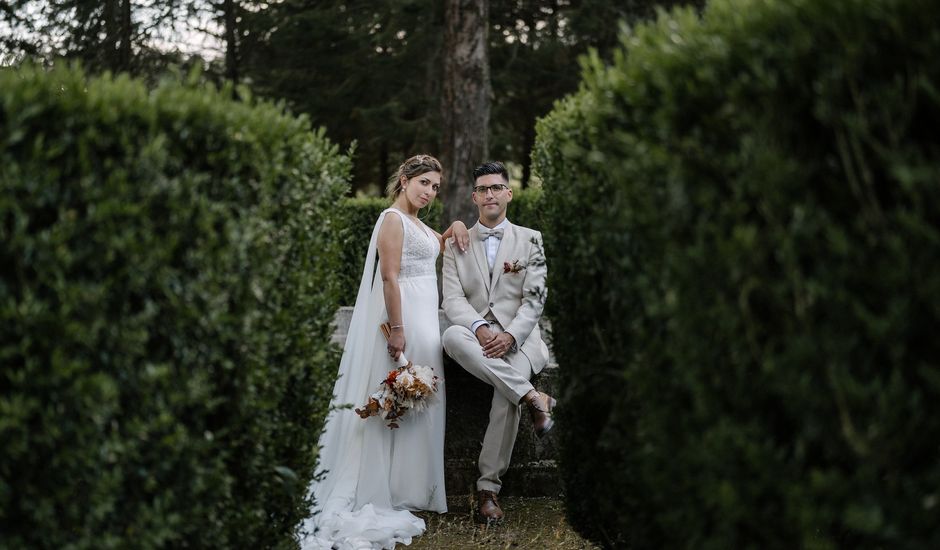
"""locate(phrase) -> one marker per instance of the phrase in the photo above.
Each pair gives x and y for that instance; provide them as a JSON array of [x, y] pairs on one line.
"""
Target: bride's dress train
[[373, 475]]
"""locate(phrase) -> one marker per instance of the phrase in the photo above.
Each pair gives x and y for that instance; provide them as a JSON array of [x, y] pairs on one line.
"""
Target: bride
[[374, 476]]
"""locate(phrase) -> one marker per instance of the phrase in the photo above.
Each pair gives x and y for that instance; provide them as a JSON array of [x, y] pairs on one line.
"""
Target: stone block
[[533, 470]]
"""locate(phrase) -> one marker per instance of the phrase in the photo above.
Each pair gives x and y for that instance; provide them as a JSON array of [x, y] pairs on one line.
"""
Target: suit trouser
[[510, 383]]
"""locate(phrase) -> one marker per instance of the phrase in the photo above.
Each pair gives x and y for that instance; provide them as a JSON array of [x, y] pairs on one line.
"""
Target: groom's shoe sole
[[544, 431], [550, 424]]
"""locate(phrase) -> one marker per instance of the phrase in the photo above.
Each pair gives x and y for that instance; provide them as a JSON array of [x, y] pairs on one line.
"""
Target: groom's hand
[[484, 335], [499, 345]]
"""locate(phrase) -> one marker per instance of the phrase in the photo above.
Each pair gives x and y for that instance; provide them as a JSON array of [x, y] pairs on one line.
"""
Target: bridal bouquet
[[408, 387]]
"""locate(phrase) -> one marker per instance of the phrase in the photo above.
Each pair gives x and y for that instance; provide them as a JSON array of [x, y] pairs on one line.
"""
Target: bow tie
[[487, 233]]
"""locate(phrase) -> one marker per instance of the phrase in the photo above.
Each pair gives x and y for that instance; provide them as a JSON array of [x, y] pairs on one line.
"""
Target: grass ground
[[529, 523]]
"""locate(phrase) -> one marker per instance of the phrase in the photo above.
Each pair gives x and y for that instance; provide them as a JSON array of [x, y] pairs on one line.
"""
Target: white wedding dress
[[374, 475]]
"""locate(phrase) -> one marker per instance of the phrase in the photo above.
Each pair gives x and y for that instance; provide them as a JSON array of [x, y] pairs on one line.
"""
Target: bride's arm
[[391, 237], [461, 235]]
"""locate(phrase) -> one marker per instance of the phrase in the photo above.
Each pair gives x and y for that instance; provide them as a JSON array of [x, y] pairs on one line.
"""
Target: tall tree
[[110, 35], [367, 71], [465, 102], [229, 9], [372, 73], [534, 62], [535, 46], [223, 22]]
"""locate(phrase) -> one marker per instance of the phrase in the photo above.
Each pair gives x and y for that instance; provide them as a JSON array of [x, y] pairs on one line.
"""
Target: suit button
[[491, 304]]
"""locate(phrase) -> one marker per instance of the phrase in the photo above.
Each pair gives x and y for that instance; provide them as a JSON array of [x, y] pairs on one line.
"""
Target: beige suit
[[512, 301]]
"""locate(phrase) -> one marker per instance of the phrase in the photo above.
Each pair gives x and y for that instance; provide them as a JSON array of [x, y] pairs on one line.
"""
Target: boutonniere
[[514, 267]]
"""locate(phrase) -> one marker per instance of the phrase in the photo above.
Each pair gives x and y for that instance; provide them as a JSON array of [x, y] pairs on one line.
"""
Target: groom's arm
[[534, 293], [455, 304]]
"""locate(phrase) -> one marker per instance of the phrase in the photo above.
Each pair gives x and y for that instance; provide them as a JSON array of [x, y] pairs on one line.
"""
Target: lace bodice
[[419, 250]]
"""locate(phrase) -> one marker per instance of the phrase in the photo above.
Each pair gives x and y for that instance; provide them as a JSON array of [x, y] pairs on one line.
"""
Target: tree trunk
[[528, 142], [231, 40], [109, 50], [384, 169], [465, 103], [127, 33]]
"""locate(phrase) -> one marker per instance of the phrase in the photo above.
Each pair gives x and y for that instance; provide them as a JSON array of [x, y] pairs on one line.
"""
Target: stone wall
[[533, 471]]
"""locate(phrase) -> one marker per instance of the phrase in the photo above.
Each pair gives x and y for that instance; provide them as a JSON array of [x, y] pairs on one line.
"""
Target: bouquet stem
[[387, 332]]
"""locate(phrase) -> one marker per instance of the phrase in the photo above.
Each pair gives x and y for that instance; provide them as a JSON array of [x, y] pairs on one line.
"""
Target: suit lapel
[[479, 254], [506, 243]]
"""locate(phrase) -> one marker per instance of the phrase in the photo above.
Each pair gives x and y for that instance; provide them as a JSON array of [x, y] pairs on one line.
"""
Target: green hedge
[[354, 218], [353, 222], [163, 331], [526, 208], [743, 227]]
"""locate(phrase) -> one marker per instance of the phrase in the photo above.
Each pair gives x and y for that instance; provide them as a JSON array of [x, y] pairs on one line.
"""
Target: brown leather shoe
[[540, 407], [488, 508]]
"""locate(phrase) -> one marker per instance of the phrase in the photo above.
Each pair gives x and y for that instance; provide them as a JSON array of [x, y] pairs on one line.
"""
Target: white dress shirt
[[491, 245]]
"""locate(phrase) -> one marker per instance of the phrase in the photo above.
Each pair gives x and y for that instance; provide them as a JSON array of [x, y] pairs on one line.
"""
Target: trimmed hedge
[[526, 208], [743, 227], [163, 332], [354, 218], [353, 221], [351, 230]]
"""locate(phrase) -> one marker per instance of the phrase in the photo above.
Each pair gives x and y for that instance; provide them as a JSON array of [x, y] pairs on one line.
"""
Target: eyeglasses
[[496, 189]]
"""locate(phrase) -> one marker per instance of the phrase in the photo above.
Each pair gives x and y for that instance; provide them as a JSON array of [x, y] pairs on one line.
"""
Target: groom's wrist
[[515, 341]]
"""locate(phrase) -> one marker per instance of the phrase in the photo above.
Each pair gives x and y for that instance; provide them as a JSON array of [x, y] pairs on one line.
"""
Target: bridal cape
[[370, 477]]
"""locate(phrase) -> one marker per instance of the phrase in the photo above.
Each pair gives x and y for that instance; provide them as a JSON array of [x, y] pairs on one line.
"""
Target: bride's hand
[[461, 235], [396, 344]]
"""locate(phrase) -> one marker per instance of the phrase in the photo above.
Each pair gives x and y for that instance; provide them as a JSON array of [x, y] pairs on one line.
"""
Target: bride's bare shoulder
[[392, 225]]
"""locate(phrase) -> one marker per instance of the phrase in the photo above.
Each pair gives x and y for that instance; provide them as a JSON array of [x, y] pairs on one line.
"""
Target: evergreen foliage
[[370, 72], [367, 71], [742, 227], [534, 51], [163, 325], [525, 209]]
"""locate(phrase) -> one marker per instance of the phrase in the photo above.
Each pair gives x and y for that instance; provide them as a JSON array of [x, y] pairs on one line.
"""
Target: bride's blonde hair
[[416, 165]]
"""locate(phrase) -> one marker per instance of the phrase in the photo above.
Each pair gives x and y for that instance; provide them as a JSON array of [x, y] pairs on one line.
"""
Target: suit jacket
[[513, 298]]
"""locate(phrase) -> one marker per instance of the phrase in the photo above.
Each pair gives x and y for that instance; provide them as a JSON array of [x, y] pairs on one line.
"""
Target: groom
[[494, 298]]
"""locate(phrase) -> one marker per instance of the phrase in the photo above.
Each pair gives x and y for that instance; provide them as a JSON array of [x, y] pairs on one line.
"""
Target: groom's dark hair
[[488, 168]]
